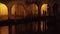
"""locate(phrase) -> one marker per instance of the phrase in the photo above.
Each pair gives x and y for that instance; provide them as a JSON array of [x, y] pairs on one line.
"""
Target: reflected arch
[[3, 17], [45, 11]]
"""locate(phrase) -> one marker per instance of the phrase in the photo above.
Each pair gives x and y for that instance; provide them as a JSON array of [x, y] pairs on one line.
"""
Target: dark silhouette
[[56, 18]]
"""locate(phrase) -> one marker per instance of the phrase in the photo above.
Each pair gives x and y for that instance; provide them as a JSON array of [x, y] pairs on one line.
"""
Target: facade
[[23, 16]]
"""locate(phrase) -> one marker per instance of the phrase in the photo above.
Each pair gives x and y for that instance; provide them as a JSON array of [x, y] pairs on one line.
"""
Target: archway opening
[[44, 9], [44, 12], [3, 12], [3, 17], [18, 11], [33, 9]]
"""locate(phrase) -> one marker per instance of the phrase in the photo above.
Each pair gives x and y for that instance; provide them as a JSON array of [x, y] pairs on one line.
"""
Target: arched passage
[[3, 16], [33, 8], [44, 12], [33, 11], [18, 11], [44, 8], [3, 12]]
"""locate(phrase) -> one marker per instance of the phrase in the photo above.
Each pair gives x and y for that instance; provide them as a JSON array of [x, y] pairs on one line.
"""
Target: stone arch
[[18, 10], [3, 17], [33, 9], [3, 12], [45, 8]]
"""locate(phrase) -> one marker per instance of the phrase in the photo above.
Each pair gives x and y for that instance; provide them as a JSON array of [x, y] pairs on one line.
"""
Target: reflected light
[[35, 26], [41, 25], [13, 29], [45, 26], [4, 30]]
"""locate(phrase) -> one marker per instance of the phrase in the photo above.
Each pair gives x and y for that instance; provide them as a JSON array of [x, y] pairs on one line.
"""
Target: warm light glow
[[18, 10], [34, 9], [41, 25], [3, 12], [13, 9], [3, 9], [13, 29], [44, 8], [35, 26], [4, 30], [45, 26]]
